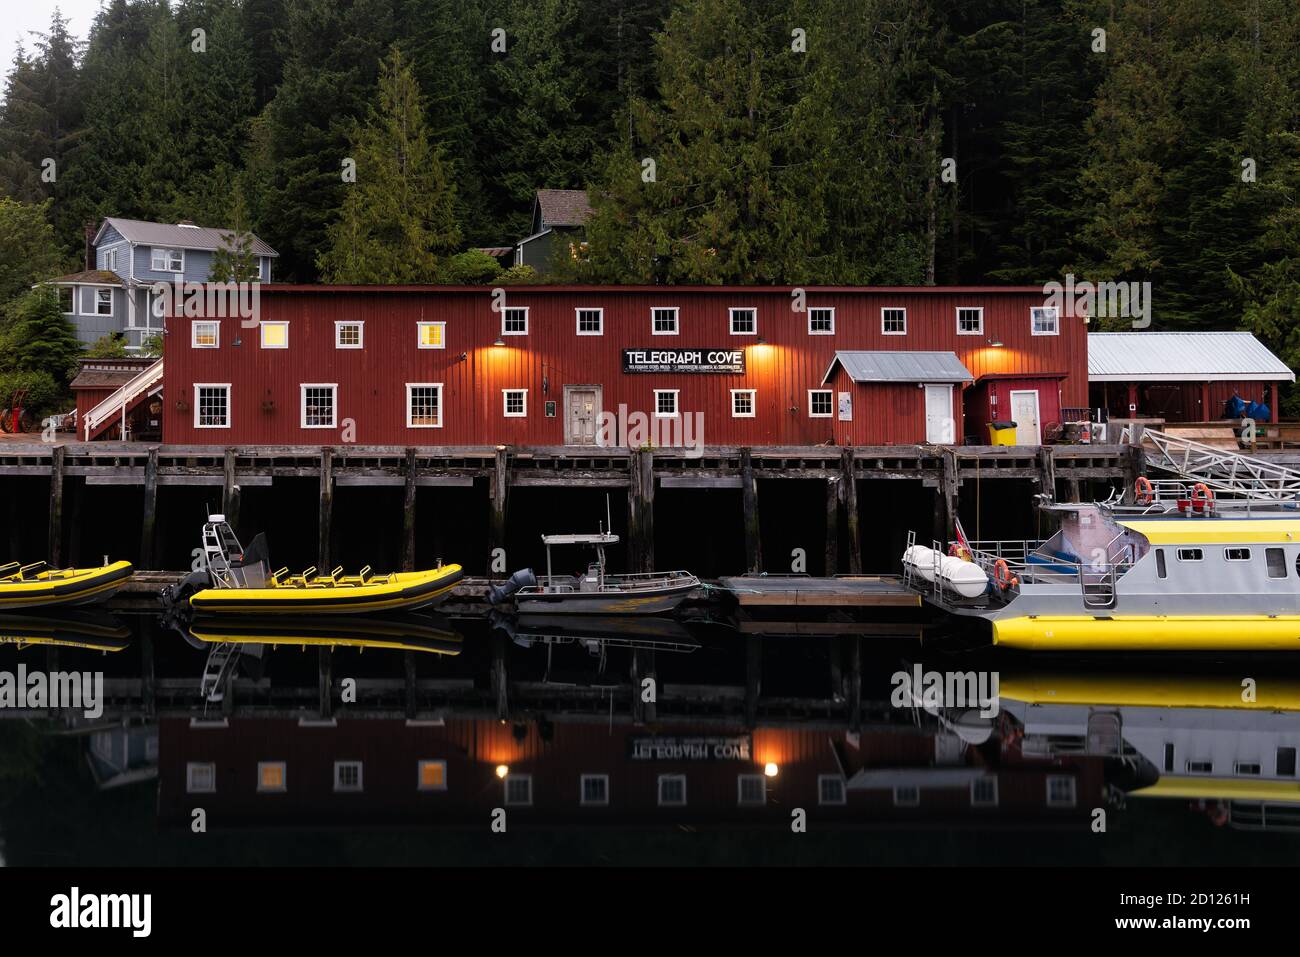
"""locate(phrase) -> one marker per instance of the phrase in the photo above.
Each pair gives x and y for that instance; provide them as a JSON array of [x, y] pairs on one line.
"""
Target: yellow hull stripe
[[1146, 691], [1150, 633], [1216, 531], [1236, 789]]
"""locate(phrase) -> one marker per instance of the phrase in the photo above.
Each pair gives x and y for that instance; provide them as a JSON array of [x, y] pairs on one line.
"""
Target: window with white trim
[[349, 334], [68, 300], [1044, 320], [663, 321], [431, 335], [751, 790], [211, 405], [166, 260], [519, 789], [103, 302], [665, 403], [431, 775], [970, 320], [515, 403], [984, 792], [1061, 791], [672, 790], [907, 795], [593, 790], [274, 335], [110, 260], [821, 321], [821, 403], [742, 403], [591, 322], [319, 402], [830, 789], [1236, 554], [205, 334], [348, 776], [272, 776], [893, 321], [1190, 555], [200, 778], [514, 321], [744, 322], [424, 405]]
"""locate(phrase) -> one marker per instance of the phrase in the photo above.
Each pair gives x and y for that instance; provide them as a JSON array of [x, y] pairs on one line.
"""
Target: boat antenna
[[609, 525]]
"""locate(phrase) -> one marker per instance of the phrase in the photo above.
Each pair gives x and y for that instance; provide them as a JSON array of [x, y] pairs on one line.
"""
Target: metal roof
[[900, 367], [179, 236], [1182, 357]]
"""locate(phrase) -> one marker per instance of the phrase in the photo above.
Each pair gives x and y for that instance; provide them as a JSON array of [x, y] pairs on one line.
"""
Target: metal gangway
[[1222, 472]]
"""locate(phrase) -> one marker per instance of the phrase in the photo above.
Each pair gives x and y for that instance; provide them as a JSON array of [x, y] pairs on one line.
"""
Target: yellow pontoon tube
[[1149, 633], [332, 594], [1157, 690], [392, 634], [65, 630], [40, 586]]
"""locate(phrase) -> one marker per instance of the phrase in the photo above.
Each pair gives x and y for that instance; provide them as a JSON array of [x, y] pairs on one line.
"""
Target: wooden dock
[[801, 591]]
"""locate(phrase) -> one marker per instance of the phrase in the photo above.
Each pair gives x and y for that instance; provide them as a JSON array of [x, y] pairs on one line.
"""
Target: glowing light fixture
[[995, 343], [502, 770], [499, 342], [770, 769]]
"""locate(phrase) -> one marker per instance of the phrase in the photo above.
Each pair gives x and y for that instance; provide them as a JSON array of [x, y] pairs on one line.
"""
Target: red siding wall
[[782, 368], [981, 409]]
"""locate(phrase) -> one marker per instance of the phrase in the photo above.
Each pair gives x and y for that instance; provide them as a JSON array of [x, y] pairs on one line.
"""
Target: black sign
[[684, 360], [672, 748]]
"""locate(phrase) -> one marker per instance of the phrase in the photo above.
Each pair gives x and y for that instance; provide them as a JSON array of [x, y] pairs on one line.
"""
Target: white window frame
[[677, 321], [989, 779], [110, 260], [821, 415], [740, 790], [1227, 556], [1181, 552], [821, 332], [339, 787], [1072, 801], [194, 334], [505, 403], [582, 790], [505, 311], [897, 332], [74, 290], [753, 403], [302, 404], [191, 767], [1056, 321], [198, 405], [109, 290], [966, 332], [899, 802], [361, 333], [659, 790], [410, 424], [505, 789], [167, 259], [731, 315], [284, 777], [821, 795], [419, 334], [677, 405], [261, 334], [600, 317], [419, 775]]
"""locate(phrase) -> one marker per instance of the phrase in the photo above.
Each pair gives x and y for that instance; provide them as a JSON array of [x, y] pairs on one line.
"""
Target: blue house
[[130, 256]]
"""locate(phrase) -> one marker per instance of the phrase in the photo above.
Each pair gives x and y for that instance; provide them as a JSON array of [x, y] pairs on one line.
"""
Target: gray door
[[582, 409]]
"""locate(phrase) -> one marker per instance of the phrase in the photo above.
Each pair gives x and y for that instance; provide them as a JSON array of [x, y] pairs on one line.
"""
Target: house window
[[1190, 555], [67, 300], [514, 321], [110, 260], [424, 405], [200, 778], [432, 776], [821, 403], [211, 406], [103, 302], [519, 789], [672, 790], [591, 322], [821, 322], [751, 790], [167, 260], [205, 335], [1060, 791], [830, 789], [347, 776], [271, 776], [1236, 554], [432, 335], [663, 322], [1044, 321], [516, 403], [742, 403], [665, 403], [594, 790], [984, 792], [349, 335], [970, 321], [744, 322], [275, 335], [893, 322], [1275, 558], [318, 401], [907, 796]]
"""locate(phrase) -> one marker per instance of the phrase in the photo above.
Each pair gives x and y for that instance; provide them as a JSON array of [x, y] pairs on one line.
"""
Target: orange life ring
[[1002, 575], [1201, 493], [1143, 491]]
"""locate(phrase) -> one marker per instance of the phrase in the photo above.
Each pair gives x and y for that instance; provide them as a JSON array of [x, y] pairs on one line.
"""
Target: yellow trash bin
[[1002, 433]]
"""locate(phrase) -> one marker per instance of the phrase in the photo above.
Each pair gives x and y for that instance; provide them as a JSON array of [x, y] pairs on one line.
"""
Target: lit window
[[821, 403], [1060, 791], [744, 322], [1044, 320], [347, 776], [907, 796], [167, 260], [970, 321], [594, 790], [663, 322], [432, 335], [893, 322], [318, 405], [751, 790], [514, 321], [672, 790], [984, 792], [830, 789], [516, 403], [275, 335], [424, 405], [103, 302], [211, 406], [591, 322], [433, 776], [665, 403], [742, 403], [200, 778], [821, 322], [349, 335], [271, 776], [205, 335], [519, 789]]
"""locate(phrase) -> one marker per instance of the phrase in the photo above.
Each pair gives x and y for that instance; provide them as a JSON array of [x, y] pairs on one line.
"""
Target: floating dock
[[841, 591]]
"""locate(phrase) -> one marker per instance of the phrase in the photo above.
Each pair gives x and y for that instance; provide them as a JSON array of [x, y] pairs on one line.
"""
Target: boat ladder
[[218, 670], [1223, 472]]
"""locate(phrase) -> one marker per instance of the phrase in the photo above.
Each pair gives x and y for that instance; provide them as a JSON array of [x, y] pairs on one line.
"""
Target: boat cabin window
[[1190, 555], [1246, 767], [1169, 757], [1286, 762], [1161, 570], [1200, 767], [1237, 554], [1276, 560]]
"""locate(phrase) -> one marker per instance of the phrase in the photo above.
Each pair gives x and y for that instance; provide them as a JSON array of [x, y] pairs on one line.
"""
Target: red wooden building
[[537, 365]]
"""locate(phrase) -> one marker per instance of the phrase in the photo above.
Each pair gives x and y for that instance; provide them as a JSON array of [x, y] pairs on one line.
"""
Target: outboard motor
[[499, 594], [177, 597]]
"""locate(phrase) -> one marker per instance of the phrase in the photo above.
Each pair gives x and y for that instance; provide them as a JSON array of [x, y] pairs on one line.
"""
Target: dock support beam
[[500, 680], [849, 495], [832, 526], [229, 490], [408, 514], [1047, 471], [640, 511], [149, 518], [326, 509], [56, 506], [855, 682], [753, 679], [325, 660], [1135, 464], [945, 505], [412, 689], [500, 491], [749, 489]]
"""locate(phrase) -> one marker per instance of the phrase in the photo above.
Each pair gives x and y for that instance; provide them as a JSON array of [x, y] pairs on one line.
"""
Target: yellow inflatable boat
[[390, 633], [40, 586]]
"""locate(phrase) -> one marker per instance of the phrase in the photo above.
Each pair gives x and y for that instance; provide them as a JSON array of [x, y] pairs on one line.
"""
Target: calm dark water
[[436, 740]]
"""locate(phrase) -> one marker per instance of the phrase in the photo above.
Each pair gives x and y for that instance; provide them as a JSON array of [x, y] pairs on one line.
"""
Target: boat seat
[[278, 576], [8, 570], [28, 572], [364, 573]]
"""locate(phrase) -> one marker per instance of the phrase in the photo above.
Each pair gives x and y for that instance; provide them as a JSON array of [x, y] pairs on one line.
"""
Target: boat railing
[[566, 584]]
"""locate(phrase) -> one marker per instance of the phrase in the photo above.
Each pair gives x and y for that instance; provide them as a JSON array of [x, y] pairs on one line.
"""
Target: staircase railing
[[116, 403]]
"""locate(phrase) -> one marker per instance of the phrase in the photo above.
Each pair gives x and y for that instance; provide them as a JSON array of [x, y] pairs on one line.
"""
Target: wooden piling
[[753, 679], [408, 514], [1047, 471], [229, 490], [499, 493], [749, 489], [640, 511], [849, 496], [855, 682], [412, 689], [325, 688], [149, 518], [56, 506], [1135, 465], [500, 680], [326, 509], [832, 526], [148, 678]]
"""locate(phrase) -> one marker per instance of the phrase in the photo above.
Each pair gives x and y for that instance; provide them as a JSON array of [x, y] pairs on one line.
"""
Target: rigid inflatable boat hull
[[407, 591], [79, 586], [1149, 633]]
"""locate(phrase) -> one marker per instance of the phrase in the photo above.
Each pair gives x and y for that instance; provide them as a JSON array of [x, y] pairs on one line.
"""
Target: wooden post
[[412, 689], [148, 680], [499, 677], [753, 679], [1073, 486], [1047, 471], [832, 526], [56, 506], [326, 509], [1135, 464], [500, 491], [640, 514], [148, 520], [849, 492], [325, 662], [230, 490], [855, 682], [408, 514], [749, 490]]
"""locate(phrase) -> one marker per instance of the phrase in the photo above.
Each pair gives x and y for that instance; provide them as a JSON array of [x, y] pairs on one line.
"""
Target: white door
[[939, 426], [1024, 412]]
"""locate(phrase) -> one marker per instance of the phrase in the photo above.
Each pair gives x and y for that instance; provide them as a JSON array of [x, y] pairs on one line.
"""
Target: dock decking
[[795, 591]]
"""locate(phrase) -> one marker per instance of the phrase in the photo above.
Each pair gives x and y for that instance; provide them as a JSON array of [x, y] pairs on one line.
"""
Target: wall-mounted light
[[995, 343], [770, 769], [502, 770], [463, 357], [499, 342]]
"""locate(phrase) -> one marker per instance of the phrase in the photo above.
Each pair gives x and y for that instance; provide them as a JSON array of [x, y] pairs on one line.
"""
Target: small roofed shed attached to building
[[899, 396], [1180, 376]]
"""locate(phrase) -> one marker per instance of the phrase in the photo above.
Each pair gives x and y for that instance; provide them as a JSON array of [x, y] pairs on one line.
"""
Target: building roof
[[563, 207], [182, 236], [666, 289], [90, 277], [1182, 357], [900, 367], [108, 373]]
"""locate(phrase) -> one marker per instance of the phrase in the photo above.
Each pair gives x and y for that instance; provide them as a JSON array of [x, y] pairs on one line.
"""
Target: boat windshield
[[1090, 537]]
